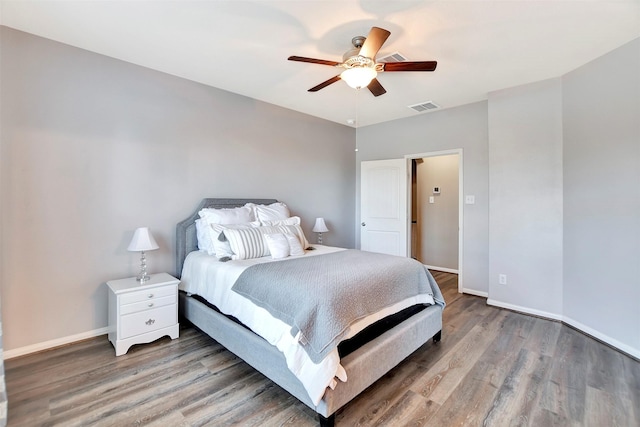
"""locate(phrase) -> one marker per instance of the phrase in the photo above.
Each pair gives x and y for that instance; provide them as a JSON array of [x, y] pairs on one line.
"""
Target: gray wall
[[462, 127], [601, 106], [565, 197], [555, 168], [93, 147], [525, 197], [438, 222]]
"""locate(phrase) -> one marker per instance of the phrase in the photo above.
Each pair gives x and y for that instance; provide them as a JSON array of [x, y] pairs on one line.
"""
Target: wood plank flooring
[[493, 367]]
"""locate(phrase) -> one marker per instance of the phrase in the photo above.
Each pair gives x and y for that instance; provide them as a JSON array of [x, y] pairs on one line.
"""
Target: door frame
[[457, 151]]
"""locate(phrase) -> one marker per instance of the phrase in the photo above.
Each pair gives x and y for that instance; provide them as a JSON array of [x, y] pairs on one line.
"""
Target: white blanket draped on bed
[[211, 279]]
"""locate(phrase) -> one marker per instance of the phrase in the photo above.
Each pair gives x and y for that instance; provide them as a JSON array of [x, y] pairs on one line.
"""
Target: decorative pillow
[[296, 230], [239, 215], [272, 212], [294, 220], [295, 247], [249, 242], [221, 246], [279, 244]]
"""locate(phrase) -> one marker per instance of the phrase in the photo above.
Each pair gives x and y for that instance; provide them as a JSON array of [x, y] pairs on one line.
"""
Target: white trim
[[10, 354], [457, 151], [525, 310], [602, 337], [21, 351], [443, 269], [476, 293], [633, 352]]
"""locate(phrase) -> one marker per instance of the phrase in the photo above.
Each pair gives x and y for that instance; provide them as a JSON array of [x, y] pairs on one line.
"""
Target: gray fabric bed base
[[364, 366]]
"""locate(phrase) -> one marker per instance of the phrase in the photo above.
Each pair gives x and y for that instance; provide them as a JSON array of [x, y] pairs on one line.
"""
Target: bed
[[367, 360]]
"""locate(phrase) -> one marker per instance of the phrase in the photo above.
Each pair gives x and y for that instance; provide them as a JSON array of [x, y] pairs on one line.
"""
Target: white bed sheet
[[211, 279]]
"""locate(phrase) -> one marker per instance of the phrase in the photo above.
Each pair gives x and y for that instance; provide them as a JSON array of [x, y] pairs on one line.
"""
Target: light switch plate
[[432, 199]]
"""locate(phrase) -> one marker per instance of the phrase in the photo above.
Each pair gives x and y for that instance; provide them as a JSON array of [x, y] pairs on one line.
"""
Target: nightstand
[[141, 313]]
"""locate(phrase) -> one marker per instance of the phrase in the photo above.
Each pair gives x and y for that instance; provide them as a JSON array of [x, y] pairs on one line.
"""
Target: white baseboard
[[476, 293], [443, 269], [21, 351], [525, 310], [633, 352], [602, 337]]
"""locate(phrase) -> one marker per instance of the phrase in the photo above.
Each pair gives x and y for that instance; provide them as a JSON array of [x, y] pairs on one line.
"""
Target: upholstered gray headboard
[[186, 240]]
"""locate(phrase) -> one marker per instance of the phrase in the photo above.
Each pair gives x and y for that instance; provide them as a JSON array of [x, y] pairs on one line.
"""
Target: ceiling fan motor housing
[[358, 61], [357, 42]]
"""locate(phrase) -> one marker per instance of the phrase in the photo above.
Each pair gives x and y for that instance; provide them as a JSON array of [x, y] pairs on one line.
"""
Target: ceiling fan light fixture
[[358, 77], [360, 66]]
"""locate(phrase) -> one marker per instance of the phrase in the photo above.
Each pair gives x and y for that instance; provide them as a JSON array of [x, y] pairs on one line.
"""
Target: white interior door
[[383, 206]]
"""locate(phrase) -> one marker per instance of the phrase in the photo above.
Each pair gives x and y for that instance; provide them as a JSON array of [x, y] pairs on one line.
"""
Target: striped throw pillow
[[250, 243]]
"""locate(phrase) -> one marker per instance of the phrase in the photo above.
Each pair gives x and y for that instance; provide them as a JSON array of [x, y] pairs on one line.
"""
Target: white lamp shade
[[320, 226], [358, 77], [142, 241]]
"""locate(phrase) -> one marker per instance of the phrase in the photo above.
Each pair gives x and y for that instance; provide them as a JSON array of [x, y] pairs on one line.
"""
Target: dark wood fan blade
[[313, 60], [376, 88], [373, 43], [410, 66], [325, 84]]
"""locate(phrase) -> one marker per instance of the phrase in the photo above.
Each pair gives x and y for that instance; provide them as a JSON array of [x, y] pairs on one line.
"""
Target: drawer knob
[[150, 296], [150, 322], [150, 304]]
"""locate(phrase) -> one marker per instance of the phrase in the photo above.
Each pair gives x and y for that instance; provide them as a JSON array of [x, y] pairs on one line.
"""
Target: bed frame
[[364, 366]]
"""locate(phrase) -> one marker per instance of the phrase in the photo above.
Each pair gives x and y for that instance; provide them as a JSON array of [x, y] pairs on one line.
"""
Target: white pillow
[[295, 247], [239, 215], [221, 246], [272, 212], [279, 244], [282, 245], [294, 220], [202, 235], [296, 230]]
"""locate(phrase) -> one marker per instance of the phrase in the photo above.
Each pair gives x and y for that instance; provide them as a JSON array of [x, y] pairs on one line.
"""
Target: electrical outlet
[[502, 279]]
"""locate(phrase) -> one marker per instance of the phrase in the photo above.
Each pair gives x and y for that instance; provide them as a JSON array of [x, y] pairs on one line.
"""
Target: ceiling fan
[[359, 63]]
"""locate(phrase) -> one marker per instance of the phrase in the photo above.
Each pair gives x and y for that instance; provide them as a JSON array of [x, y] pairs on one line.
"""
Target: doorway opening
[[436, 210]]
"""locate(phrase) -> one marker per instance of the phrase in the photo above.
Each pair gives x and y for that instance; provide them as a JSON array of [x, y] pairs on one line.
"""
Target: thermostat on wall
[[436, 190]]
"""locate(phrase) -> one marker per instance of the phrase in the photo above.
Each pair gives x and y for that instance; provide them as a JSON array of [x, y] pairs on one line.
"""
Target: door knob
[[364, 224]]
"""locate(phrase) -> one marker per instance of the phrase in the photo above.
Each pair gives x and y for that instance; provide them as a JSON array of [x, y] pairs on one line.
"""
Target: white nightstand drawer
[[158, 292], [148, 320], [148, 304]]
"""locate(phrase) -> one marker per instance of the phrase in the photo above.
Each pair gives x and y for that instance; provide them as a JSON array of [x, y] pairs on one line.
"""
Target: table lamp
[[320, 227], [142, 241]]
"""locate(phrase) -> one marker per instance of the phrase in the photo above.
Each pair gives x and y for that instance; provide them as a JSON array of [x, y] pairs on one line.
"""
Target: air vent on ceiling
[[394, 57], [424, 106]]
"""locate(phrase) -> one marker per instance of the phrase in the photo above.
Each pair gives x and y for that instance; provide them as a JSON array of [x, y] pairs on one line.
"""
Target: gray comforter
[[321, 296]]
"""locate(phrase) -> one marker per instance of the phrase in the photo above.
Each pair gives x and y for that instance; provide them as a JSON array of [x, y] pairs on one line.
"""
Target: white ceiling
[[242, 46]]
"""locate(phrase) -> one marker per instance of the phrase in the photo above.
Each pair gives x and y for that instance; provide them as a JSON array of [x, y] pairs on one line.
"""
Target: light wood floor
[[493, 367]]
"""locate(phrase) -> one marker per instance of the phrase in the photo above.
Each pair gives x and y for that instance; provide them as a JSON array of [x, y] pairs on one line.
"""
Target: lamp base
[[143, 276]]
